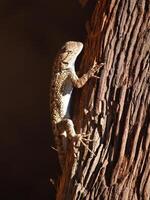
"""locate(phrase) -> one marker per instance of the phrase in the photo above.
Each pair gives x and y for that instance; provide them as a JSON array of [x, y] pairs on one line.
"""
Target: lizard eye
[[69, 51]]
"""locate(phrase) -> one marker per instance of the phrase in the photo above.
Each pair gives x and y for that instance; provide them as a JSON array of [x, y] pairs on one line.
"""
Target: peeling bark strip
[[117, 107]]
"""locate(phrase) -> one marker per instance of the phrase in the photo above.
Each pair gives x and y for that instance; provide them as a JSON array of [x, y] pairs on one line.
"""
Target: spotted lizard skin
[[64, 78]]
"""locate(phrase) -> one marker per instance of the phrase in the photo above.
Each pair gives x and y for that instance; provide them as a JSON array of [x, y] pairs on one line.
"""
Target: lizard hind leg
[[66, 131], [67, 126]]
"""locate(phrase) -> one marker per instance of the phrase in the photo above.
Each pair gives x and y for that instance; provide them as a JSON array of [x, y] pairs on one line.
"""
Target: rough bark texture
[[115, 109]]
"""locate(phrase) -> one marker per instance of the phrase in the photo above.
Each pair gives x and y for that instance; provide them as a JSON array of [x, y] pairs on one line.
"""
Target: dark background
[[30, 34]]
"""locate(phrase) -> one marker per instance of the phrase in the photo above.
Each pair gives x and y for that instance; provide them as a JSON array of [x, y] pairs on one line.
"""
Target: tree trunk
[[115, 109]]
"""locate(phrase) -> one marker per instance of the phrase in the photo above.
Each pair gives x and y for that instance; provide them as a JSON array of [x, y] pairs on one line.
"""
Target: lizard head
[[69, 53]]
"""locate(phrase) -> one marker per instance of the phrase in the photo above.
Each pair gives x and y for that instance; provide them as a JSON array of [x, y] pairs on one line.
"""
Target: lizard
[[64, 78]]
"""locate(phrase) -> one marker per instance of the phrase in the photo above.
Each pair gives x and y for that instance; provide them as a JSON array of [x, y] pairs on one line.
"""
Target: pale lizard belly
[[66, 96]]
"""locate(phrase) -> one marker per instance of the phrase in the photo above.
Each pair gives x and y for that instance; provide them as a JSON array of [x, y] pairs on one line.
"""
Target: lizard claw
[[95, 77], [95, 68], [82, 138], [86, 146], [95, 62]]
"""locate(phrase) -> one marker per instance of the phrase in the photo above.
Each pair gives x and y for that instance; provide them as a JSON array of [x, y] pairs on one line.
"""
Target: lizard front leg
[[80, 82]]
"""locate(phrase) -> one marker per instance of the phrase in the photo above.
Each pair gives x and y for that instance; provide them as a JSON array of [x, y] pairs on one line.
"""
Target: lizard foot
[[82, 138], [95, 68]]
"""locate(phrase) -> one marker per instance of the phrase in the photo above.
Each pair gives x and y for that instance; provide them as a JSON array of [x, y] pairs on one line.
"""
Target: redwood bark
[[115, 109]]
